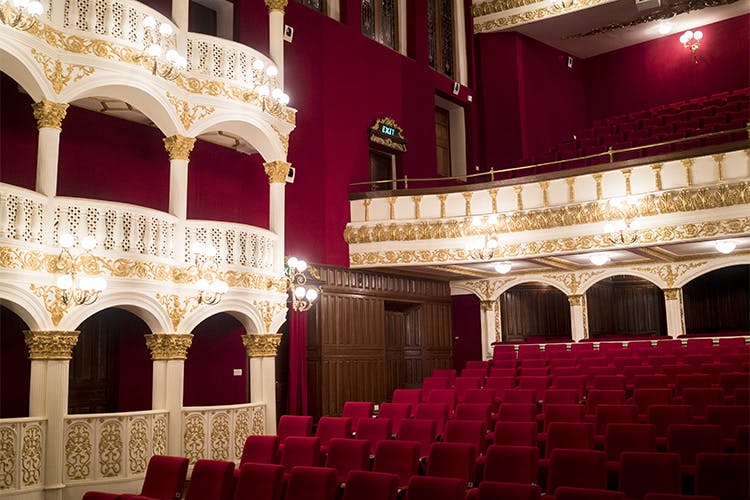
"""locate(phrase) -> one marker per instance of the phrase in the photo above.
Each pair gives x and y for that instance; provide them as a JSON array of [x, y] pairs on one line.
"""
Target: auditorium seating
[[165, 478], [260, 482]]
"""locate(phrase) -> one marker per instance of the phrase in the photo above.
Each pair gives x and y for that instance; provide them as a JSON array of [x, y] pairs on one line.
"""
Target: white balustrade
[[219, 432], [112, 445], [21, 453], [237, 244], [22, 214]]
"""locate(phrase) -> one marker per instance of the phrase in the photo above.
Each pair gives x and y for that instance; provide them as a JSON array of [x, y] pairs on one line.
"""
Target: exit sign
[[388, 130]]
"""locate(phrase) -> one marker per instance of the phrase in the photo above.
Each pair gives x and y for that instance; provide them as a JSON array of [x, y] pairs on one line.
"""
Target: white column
[[675, 310], [578, 324], [261, 349], [159, 385], [179, 148], [181, 15], [175, 389], [277, 172], [49, 116], [50, 353], [276, 34], [491, 332]]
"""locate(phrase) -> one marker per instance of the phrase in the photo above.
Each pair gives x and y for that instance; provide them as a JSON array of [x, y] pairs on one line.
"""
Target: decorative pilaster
[[179, 148], [276, 33], [577, 317], [490, 324], [261, 349], [656, 167], [50, 353], [49, 116], [277, 172], [169, 346], [675, 310]]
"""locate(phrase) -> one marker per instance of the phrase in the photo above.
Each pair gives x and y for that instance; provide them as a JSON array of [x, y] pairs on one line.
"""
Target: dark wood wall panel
[[626, 305], [718, 301], [534, 310]]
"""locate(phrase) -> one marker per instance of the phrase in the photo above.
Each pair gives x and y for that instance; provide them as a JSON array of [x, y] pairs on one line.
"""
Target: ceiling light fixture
[[160, 54], [503, 267], [210, 288], [84, 291], [482, 248], [623, 231], [20, 14], [725, 246], [599, 259]]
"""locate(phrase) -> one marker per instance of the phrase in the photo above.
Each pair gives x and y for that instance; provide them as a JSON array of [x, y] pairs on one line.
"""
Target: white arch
[[255, 131], [138, 92], [142, 305], [711, 265], [530, 279], [23, 70], [241, 310], [651, 278], [26, 305]]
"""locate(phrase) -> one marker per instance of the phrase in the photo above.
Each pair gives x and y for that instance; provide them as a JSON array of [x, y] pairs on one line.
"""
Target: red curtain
[[297, 363]]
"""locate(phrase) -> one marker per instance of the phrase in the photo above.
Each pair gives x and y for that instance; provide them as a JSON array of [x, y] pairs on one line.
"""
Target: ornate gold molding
[[519, 196], [598, 180], [177, 307], [498, 6], [417, 200], [391, 207], [498, 324], [49, 114], [50, 344], [685, 200], [279, 5], [493, 198], [261, 346], [269, 310], [688, 164], [627, 172], [277, 171], [166, 346], [672, 293], [719, 160], [442, 198], [670, 273], [468, 195], [367, 202], [487, 305], [571, 181], [60, 75], [656, 168], [575, 300], [545, 193], [189, 114], [485, 289], [283, 139], [179, 147], [53, 301], [572, 281]]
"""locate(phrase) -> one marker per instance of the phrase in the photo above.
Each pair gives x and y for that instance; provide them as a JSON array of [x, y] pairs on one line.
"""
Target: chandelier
[[20, 14], [160, 54], [624, 229], [83, 291], [304, 294], [482, 248], [210, 288], [691, 40]]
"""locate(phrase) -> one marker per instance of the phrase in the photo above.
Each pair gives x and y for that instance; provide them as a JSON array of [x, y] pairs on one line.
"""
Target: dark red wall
[[467, 330], [215, 352], [18, 135], [136, 366], [15, 367]]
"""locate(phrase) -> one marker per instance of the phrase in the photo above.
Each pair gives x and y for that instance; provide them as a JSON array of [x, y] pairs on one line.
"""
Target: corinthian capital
[[49, 114], [277, 170], [179, 147], [279, 5], [50, 344]]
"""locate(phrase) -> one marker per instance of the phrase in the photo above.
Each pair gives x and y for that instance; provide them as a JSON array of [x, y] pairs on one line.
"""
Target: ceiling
[[572, 262], [557, 31]]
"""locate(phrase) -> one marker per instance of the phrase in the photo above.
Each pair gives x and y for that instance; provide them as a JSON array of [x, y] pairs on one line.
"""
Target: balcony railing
[[22, 453], [219, 432]]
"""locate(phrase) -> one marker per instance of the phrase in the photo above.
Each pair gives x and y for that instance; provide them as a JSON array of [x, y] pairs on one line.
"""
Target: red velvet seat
[[643, 398], [357, 410], [332, 427], [568, 435], [700, 398], [675, 496], [424, 432], [724, 475], [687, 440], [435, 488], [626, 437], [457, 460], [448, 373], [396, 412], [560, 413], [260, 450], [400, 458], [407, 396], [521, 396], [515, 433], [598, 397], [479, 373], [345, 455], [472, 364], [480, 396], [612, 414], [441, 396], [534, 372], [438, 412], [561, 396], [577, 468], [311, 483], [569, 493], [492, 490], [294, 425], [516, 412], [662, 416], [300, 450], [260, 482], [374, 430], [512, 464], [728, 418], [466, 431], [642, 473], [165, 478], [430, 384], [365, 485], [538, 384], [211, 480]]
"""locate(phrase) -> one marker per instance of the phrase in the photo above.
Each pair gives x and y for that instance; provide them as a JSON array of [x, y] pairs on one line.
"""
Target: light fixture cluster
[[482, 248], [20, 14], [624, 229], [210, 288], [725, 246], [160, 50], [264, 88], [74, 290], [304, 294], [691, 40]]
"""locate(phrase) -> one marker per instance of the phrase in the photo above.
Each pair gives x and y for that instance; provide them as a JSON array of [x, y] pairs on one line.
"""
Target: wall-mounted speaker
[[456, 88], [290, 175], [288, 33]]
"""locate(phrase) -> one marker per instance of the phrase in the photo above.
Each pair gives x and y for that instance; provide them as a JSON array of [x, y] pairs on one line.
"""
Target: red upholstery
[[724, 475], [571, 435], [442, 396], [474, 411], [642, 473], [643, 398], [612, 382], [664, 415], [456, 460], [300, 450], [491, 490], [562, 413], [363, 485], [611, 414], [397, 457], [569, 493], [728, 417], [357, 410], [520, 396], [512, 464], [429, 384], [603, 396], [628, 437], [463, 384], [539, 384], [432, 411], [165, 479], [211, 480], [260, 449], [435, 488], [577, 468], [674, 496], [516, 412], [743, 439], [423, 432], [100, 495], [346, 455], [407, 396], [294, 425], [687, 440], [561, 396], [480, 396], [332, 427], [472, 432], [260, 482], [396, 412], [311, 483], [700, 398], [516, 433], [374, 430]]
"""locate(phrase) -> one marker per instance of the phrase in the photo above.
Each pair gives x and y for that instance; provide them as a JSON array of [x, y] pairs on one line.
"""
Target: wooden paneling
[[626, 305], [93, 368], [534, 310], [718, 301]]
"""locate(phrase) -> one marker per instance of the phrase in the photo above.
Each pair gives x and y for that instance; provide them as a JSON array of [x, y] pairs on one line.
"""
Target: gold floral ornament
[[53, 301], [189, 114], [277, 171], [166, 346], [260, 346], [50, 344], [179, 147], [59, 74], [177, 307], [269, 310], [278, 5], [49, 114]]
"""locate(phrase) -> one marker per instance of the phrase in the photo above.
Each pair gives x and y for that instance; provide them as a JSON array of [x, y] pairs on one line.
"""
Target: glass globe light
[[88, 242], [20, 4], [284, 99], [698, 35], [725, 246], [198, 247], [688, 35], [276, 93], [35, 8], [87, 283], [292, 262], [67, 240], [201, 285], [210, 250], [172, 55], [311, 295], [599, 259], [149, 22], [258, 64], [299, 292], [272, 71], [503, 267], [301, 266], [153, 50], [263, 90], [165, 29], [65, 282]]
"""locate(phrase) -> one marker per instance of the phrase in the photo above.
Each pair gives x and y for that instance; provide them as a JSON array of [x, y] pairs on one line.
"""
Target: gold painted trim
[[493, 198], [53, 301], [627, 172], [392, 207], [598, 180], [49, 114], [367, 203], [277, 171], [688, 164], [519, 196], [656, 168], [178, 307], [50, 344], [719, 160], [417, 200], [187, 113], [442, 198], [261, 346], [179, 147], [169, 346], [58, 74], [670, 273], [491, 8], [672, 293], [276, 5], [571, 182], [545, 193], [575, 300], [269, 310], [468, 195]]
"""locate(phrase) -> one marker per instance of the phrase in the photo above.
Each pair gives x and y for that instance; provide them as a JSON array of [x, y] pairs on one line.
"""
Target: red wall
[[467, 330], [18, 136], [136, 366], [15, 367]]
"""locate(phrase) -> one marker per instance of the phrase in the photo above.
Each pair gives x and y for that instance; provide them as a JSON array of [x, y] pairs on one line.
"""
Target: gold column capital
[[50, 344], [278, 5], [179, 147], [260, 346], [487, 305], [672, 293], [575, 300], [49, 114], [166, 346], [277, 171]]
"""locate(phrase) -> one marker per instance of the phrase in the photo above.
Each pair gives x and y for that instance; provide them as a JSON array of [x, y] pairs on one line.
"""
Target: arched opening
[[467, 329], [111, 368], [718, 302], [17, 127], [15, 367], [622, 306], [534, 312], [216, 369]]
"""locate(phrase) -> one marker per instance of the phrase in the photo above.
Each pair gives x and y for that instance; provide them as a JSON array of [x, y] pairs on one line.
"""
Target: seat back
[[333, 427], [397, 457], [700, 398], [300, 450], [211, 480], [609, 414], [642, 473], [472, 432], [456, 460], [516, 433], [492, 490], [260, 450], [294, 425], [520, 396], [374, 430], [407, 396], [723, 475], [260, 482], [435, 488], [603, 396], [562, 413], [422, 431], [311, 483], [687, 440], [561, 397], [474, 411], [571, 435], [615, 382], [430, 384], [432, 411], [357, 410], [643, 398], [628, 437], [365, 485], [577, 468], [728, 417], [570, 493], [396, 412], [512, 464], [516, 412], [480, 396], [664, 415], [443, 396], [165, 476], [346, 455]]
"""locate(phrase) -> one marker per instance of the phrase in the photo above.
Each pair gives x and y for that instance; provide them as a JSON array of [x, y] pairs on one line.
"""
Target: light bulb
[[222, 286], [100, 284], [258, 64], [88, 242], [35, 8], [198, 247], [67, 240], [292, 262], [698, 35], [311, 295], [20, 4], [301, 265], [299, 292], [87, 283], [276, 93], [725, 246], [609, 227], [263, 90], [272, 71], [688, 35], [492, 243], [65, 282], [180, 62], [599, 259], [201, 285], [165, 29], [503, 267], [172, 55], [149, 22], [620, 225], [284, 99], [153, 50], [210, 250]]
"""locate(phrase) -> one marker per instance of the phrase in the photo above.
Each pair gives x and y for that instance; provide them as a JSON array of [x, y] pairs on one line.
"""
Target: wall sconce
[[74, 291], [20, 14], [691, 40], [160, 54], [625, 230], [264, 87], [210, 288], [483, 249], [304, 294]]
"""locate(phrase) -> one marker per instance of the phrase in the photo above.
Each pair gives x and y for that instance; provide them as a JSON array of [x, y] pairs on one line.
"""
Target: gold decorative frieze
[[686, 200], [487, 305], [688, 164], [279, 5], [189, 114], [575, 300], [486, 289], [672, 293], [177, 307], [50, 344], [179, 147], [563, 245], [261, 346], [545, 193], [277, 171], [269, 310], [49, 114], [489, 7], [498, 324], [166, 346], [283, 139], [573, 281], [527, 16], [656, 167], [59, 74], [670, 273], [52, 297]]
